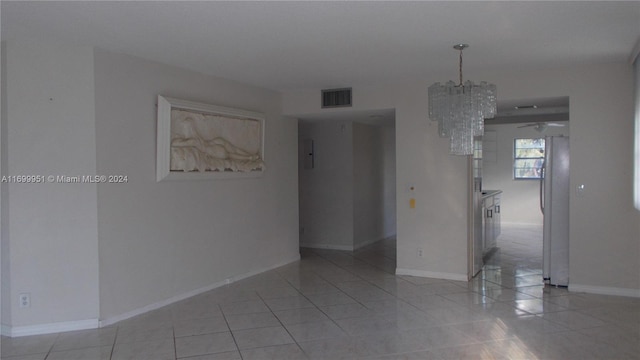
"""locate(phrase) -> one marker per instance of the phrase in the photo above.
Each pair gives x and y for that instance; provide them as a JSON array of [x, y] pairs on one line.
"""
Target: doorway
[[518, 248], [347, 179]]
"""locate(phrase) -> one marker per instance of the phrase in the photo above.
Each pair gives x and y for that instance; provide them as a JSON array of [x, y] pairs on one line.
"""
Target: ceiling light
[[460, 109]]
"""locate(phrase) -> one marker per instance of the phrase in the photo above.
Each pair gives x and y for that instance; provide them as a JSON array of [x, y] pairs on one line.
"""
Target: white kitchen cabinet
[[491, 219]]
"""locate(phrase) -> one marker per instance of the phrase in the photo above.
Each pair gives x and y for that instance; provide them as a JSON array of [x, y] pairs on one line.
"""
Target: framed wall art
[[199, 141]]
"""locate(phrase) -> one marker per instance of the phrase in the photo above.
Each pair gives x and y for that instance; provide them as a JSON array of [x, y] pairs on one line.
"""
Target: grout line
[[397, 298], [52, 345], [175, 346], [115, 339], [283, 326], [231, 331]]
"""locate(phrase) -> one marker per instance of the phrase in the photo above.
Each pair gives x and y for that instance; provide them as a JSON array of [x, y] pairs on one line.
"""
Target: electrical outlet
[[420, 252], [25, 300]]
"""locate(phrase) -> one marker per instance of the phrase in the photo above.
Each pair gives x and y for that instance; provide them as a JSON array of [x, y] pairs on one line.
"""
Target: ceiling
[[292, 45], [551, 109]]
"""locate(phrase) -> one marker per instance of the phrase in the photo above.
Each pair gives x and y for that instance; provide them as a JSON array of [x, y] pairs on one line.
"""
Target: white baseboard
[[114, 319], [39, 329], [327, 246], [432, 274], [604, 290], [373, 241], [344, 247]]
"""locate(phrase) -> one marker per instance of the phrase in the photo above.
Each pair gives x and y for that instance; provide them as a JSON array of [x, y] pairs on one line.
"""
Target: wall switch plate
[[25, 300], [420, 252]]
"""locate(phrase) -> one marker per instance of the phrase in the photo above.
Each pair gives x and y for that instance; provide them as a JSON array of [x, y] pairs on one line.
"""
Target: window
[[528, 155]]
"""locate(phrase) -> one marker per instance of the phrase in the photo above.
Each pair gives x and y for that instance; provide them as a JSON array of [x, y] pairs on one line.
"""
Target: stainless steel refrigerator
[[554, 203]]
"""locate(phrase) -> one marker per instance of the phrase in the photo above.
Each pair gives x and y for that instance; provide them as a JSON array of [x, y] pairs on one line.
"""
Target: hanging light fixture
[[460, 109]]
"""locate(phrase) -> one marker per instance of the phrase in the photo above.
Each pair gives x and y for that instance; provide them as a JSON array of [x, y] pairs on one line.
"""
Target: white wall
[[5, 285], [605, 227], [326, 191], [51, 230], [87, 253], [368, 191], [520, 202], [388, 134], [159, 241]]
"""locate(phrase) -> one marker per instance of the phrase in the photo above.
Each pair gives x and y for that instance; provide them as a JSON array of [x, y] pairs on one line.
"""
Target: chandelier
[[460, 109]]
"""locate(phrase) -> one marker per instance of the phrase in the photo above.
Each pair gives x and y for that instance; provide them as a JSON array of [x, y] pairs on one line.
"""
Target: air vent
[[336, 98]]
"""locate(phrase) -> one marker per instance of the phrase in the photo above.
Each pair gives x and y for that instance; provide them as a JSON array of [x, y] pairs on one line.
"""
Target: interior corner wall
[[161, 241], [368, 187], [520, 202], [51, 225], [326, 191]]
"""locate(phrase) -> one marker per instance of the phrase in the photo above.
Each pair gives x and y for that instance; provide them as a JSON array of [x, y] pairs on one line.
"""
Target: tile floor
[[341, 305]]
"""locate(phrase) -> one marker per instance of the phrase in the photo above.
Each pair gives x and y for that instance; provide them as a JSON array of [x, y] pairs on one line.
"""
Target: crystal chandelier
[[460, 109]]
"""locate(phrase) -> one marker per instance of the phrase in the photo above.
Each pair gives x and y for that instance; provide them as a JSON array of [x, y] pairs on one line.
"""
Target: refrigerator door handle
[[542, 187]]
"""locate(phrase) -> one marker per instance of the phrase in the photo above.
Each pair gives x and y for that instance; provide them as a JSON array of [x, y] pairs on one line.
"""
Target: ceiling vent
[[332, 98]]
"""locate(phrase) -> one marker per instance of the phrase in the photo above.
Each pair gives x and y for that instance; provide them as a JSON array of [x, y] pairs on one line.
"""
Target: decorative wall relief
[[201, 141]]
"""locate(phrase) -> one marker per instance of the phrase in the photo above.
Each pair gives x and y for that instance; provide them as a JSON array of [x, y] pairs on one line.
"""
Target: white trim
[[174, 299], [39, 329], [327, 246], [432, 274], [604, 290]]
